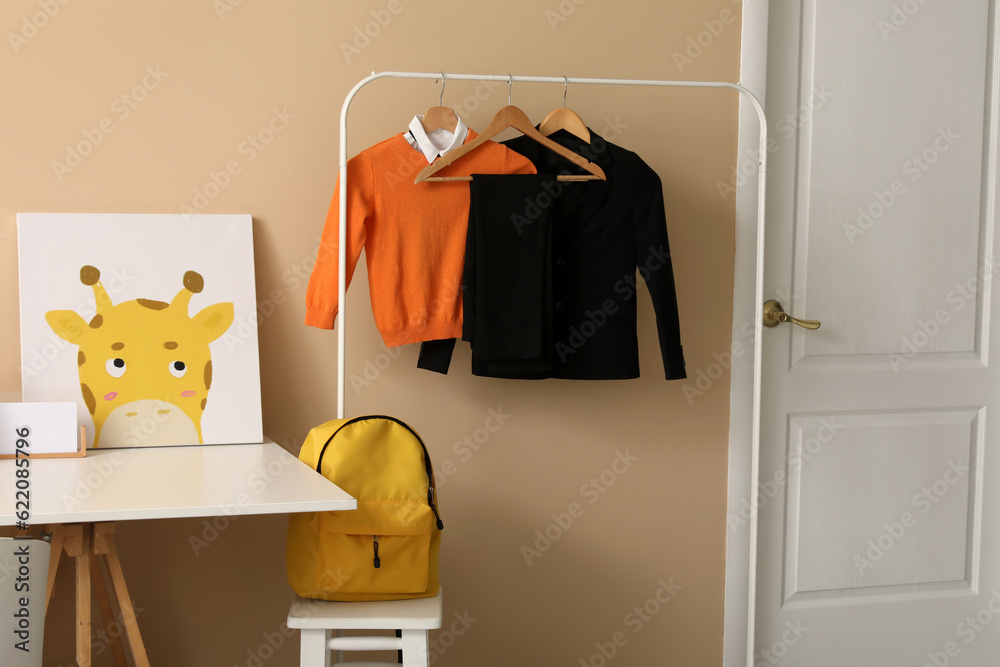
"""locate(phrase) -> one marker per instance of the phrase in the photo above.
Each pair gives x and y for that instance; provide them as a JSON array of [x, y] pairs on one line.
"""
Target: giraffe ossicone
[[145, 366]]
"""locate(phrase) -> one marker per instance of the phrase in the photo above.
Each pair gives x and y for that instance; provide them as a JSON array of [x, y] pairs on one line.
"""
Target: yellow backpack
[[387, 549]]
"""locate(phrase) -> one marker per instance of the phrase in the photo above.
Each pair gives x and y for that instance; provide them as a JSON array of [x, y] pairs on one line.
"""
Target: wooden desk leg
[[121, 591], [55, 555], [79, 546], [108, 619]]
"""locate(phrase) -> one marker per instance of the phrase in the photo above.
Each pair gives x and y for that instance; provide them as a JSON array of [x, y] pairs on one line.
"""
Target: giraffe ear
[[67, 324], [216, 319]]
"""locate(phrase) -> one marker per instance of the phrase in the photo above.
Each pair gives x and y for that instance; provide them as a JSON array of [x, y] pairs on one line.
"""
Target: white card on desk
[[51, 427]]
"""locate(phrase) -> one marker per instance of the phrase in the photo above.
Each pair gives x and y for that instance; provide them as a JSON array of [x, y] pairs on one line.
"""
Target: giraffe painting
[[145, 366]]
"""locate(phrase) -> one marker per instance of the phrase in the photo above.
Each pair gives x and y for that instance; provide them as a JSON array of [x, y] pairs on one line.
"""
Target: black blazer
[[602, 232]]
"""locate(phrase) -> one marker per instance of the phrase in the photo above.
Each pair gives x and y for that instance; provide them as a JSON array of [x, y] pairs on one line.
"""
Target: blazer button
[[560, 305], [561, 261]]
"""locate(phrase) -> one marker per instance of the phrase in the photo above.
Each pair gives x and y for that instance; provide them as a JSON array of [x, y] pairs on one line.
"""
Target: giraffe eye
[[115, 367], [178, 369]]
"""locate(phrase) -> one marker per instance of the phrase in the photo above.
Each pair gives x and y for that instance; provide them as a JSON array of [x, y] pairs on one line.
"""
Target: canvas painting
[[147, 321]]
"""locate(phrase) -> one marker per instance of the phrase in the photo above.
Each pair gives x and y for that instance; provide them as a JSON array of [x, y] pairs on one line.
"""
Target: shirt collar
[[438, 142]]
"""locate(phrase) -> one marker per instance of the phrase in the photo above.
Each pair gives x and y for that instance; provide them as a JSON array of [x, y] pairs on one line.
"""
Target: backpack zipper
[[430, 501], [377, 561], [427, 462]]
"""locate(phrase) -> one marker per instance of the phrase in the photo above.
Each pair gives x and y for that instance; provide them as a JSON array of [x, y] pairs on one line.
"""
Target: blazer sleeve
[[322, 293], [653, 260]]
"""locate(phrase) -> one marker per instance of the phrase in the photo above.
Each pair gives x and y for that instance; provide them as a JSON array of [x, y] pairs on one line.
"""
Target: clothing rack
[[759, 276]]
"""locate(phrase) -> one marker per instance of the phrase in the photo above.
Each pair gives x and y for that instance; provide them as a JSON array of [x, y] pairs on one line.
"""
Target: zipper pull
[[430, 501], [378, 561]]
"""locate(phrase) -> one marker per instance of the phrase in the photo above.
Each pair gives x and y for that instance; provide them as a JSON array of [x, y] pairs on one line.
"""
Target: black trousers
[[507, 280]]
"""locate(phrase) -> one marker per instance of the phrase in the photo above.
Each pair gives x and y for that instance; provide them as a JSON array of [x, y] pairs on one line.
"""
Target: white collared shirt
[[438, 142]]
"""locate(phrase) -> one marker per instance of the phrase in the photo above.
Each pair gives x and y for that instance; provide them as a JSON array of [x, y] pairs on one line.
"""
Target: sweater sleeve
[[322, 293], [654, 263]]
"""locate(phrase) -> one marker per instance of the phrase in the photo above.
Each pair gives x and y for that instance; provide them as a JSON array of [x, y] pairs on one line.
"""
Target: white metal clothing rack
[[759, 280]]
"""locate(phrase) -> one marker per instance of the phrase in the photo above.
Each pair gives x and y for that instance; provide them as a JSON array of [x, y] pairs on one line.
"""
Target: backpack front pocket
[[351, 563]]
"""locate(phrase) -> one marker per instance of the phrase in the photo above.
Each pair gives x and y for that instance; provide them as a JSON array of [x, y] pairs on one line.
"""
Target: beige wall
[[225, 74]]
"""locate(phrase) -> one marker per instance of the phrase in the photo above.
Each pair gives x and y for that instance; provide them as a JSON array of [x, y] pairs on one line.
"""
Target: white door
[[879, 539]]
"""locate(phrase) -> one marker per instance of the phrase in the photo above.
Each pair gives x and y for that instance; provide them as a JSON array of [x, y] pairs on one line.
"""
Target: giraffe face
[[145, 366]]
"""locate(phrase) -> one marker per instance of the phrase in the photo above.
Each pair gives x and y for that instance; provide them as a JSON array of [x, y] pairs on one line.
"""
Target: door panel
[[890, 175], [888, 494]]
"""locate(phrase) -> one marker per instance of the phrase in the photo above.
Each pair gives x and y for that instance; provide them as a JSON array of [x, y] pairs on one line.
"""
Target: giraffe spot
[[170, 345], [194, 282], [163, 412], [151, 304], [131, 414], [97, 321], [208, 374], [88, 398], [188, 394], [118, 346], [81, 358], [204, 402], [111, 395], [89, 275]]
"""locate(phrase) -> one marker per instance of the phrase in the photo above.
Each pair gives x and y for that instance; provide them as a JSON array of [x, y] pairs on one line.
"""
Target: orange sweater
[[413, 235]]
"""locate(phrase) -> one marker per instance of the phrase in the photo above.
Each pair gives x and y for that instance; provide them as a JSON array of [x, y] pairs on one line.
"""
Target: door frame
[[741, 547]]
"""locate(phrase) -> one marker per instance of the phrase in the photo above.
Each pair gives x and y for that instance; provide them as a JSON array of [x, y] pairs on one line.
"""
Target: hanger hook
[[565, 89], [510, 87], [441, 96]]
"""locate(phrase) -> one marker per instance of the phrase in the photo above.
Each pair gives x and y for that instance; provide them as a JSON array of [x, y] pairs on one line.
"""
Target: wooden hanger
[[511, 116], [565, 119], [439, 117]]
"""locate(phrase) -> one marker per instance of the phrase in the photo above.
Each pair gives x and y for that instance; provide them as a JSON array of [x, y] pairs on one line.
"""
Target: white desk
[[170, 483], [79, 498]]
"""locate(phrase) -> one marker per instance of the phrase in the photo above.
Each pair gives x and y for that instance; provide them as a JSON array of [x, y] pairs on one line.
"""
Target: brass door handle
[[774, 315]]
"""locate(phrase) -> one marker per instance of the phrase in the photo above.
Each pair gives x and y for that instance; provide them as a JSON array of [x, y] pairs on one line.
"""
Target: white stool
[[316, 619]]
